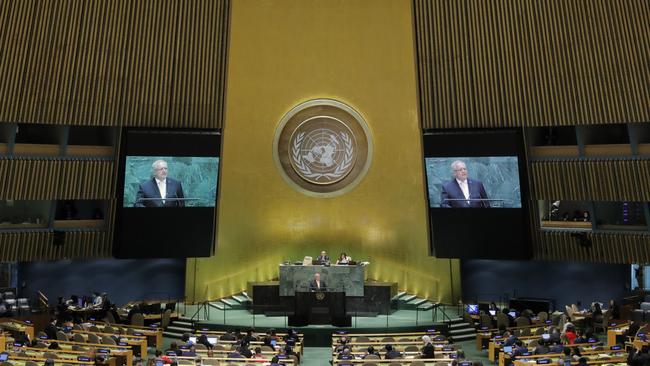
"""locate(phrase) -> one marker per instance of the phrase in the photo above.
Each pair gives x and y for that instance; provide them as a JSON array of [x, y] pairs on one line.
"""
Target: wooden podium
[[320, 307]]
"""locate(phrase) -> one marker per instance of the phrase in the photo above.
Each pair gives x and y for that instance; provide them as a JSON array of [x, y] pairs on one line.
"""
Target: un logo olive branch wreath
[[305, 170]]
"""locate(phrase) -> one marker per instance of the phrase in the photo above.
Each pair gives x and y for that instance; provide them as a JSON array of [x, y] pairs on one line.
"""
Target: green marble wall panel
[[337, 278]]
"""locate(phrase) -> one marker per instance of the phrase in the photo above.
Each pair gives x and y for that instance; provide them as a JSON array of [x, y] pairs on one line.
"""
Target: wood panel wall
[[113, 62], [605, 247], [591, 180], [56, 179], [504, 63], [39, 245]]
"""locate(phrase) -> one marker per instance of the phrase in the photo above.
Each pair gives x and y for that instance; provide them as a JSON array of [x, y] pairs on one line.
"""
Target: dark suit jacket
[[313, 287], [149, 189], [451, 190], [322, 259]]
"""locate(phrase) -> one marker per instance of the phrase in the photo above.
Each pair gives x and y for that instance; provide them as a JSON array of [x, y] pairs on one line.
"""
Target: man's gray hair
[[456, 163], [156, 163]]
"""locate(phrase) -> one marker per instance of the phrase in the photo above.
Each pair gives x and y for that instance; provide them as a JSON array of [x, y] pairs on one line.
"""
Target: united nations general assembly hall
[[324, 182]]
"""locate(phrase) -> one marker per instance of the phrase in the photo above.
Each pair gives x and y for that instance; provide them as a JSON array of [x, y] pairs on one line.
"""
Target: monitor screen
[[492, 312], [4, 356], [507, 349], [477, 190], [513, 314], [167, 193], [472, 309], [546, 336]]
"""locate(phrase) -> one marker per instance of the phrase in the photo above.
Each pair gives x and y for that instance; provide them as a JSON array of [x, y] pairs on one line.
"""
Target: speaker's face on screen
[[459, 170], [160, 169]]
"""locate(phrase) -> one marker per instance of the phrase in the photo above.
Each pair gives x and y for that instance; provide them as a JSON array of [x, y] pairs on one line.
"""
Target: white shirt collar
[[460, 181], [161, 181]]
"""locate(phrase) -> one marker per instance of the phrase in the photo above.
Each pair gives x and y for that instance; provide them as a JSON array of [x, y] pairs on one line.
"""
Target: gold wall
[[283, 53]]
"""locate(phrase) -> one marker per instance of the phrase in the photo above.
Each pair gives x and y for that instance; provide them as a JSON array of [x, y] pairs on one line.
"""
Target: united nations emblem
[[320, 296], [322, 147], [323, 150]]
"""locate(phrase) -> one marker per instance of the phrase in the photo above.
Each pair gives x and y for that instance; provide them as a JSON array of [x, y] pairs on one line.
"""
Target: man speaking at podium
[[462, 192], [160, 191], [316, 284]]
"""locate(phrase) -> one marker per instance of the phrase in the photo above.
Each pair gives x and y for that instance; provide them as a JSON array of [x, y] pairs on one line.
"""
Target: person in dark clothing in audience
[[591, 337], [186, 339], [345, 355], [249, 337], [203, 339], [235, 353], [245, 351], [632, 329], [270, 339], [556, 347], [541, 348], [228, 336], [555, 335], [639, 357], [342, 344], [288, 350], [51, 329], [519, 349], [371, 351], [291, 335], [391, 353], [511, 320], [510, 339], [54, 345], [581, 337], [173, 347], [427, 349], [582, 361], [281, 355], [614, 312]]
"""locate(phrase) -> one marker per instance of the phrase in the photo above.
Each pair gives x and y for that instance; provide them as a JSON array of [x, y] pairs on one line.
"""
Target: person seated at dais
[[343, 259], [323, 258]]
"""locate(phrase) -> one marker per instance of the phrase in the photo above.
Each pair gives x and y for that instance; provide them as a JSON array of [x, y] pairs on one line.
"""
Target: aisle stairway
[[406, 301], [460, 330], [185, 324]]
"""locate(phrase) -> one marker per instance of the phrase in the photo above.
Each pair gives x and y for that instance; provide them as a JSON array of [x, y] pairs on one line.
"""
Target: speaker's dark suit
[[314, 287], [451, 192], [149, 189]]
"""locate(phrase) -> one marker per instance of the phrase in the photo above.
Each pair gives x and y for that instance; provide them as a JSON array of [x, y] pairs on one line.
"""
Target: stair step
[[182, 323], [184, 319], [240, 299], [454, 332], [245, 294], [460, 325], [229, 302], [464, 337], [219, 305], [456, 320], [417, 301], [408, 298], [426, 306], [172, 335], [400, 294], [180, 329]]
